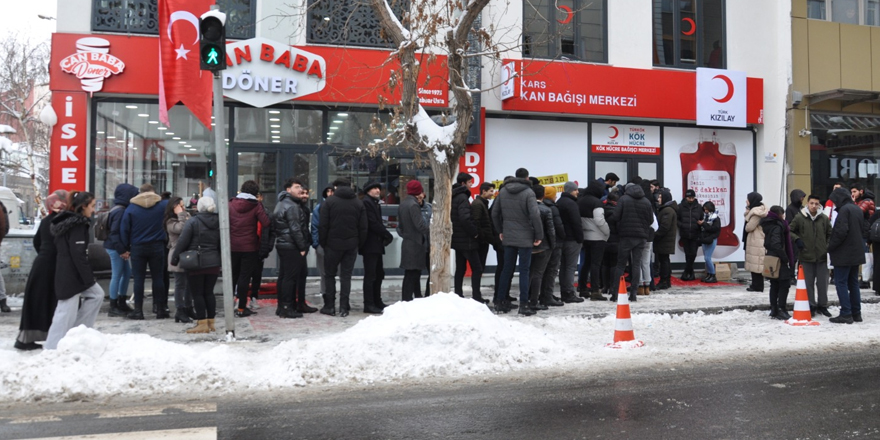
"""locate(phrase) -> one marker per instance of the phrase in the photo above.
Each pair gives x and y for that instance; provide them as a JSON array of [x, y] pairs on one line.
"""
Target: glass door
[[626, 167]]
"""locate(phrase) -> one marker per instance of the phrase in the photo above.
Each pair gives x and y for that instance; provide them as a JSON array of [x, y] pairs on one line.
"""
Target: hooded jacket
[[689, 213], [245, 212], [755, 238], [465, 234], [142, 221], [201, 233], [778, 244], [413, 230], [549, 241], [73, 274], [866, 204], [571, 217], [483, 220], [515, 214], [316, 216], [122, 198], [633, 214], [810, 236], [343, 223], [558, 227], [614, 236], [846, 245], [291, 224], [797, 202], [664, 238], [377, 235], [592, 212]]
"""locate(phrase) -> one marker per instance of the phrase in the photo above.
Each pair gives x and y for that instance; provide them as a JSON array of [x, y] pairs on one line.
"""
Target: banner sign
[[721, 98], [67, 155], [626, 139]]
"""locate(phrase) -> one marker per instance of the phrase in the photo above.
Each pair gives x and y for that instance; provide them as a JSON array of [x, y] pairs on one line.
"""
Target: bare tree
[[23, 92]]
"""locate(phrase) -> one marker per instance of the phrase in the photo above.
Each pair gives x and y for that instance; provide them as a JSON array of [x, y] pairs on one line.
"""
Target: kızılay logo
[[92, 63]]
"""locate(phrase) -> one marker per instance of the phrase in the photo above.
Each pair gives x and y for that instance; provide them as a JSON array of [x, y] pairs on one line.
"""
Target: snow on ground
[[442, 336]]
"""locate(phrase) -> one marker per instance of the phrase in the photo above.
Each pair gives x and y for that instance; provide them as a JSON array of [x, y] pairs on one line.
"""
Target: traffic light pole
[[222, 203]]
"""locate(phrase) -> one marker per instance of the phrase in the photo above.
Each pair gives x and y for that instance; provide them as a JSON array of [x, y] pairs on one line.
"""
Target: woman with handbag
[[175, 218], [710, 229], [198, 253], [778, 261]]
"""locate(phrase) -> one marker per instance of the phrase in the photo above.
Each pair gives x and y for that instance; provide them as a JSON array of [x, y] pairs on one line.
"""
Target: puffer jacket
[[710, 230], [593, 213], [846, 245], [797, 202], [245, 212], [810, 236], [377, 235], [571, 217], [688, 216], [613, 237], [201, 233], [121, 198], [291, 223], [775, 243], [557, 221], [633, 214], [343, 223], [755, 239], [142, 221], [480, 214], [465, 234], [664, 238], [516, 216], [866, 204], [173, 227], [549, 241], [73, 274]]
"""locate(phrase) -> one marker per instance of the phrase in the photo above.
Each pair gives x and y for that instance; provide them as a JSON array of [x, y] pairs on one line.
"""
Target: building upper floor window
[[689, 33], [142, 17], [566, 29], [845, 11], [348, 22]]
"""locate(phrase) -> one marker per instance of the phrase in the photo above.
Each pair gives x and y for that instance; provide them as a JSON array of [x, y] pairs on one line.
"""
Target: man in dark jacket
[[142, 233], [570, 215], [541, 254], [634, 217], [596, 233], [690, 211], [610, 181], [373, 248], [810, 231], [413, 230], [480, 214], [664, 238], [846, 248], [864, 198], [245, 213], [289, 221], [465, 237], [343, 229], [119, 257], [549, 280], [797, 203], [316, 221]]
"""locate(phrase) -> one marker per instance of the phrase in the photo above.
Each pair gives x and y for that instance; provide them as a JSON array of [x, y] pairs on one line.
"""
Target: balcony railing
[[142, 17]]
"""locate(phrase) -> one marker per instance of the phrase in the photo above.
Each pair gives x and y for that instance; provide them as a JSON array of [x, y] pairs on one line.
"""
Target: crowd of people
[[604, 233]]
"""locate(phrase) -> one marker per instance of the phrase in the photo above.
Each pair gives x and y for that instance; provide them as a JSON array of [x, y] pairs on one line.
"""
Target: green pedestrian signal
[[212, 39]]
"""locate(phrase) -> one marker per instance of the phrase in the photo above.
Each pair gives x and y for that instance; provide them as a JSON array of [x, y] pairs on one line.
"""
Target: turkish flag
[[180, 78]]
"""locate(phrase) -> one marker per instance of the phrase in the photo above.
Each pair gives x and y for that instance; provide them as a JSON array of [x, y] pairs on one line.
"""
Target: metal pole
[[221, 188]]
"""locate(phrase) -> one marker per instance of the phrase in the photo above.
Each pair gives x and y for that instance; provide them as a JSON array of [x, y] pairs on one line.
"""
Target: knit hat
[[569, 187], [414, 188], [463, 178], [690, 193], [550, 192], [371, 185]]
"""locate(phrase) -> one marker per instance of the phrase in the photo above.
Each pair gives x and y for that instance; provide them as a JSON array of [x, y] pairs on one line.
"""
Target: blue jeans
[[846, 279], [150, 254], [525, 262], [121, 275], [708, 250]]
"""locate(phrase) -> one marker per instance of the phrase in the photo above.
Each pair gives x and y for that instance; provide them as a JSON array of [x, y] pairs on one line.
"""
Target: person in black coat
[[202, 233], [465, 237], [609, 261], [373, 248], [569, 213], [710, 229], [846, 249], [483, 220], [552, 271], [39, 292], [777, 242], [690, 212], [634, 216], [79, 295], [290, 221], [342, 230]]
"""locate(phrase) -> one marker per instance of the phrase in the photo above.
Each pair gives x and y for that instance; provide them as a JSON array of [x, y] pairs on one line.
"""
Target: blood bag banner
[[719, 166]]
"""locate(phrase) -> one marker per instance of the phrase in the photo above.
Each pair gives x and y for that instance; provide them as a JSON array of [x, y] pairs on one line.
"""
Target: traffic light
[[212, 41]]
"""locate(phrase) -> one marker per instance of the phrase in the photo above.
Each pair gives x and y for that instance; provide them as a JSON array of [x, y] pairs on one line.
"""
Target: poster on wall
[[719, 166], [626, 139]]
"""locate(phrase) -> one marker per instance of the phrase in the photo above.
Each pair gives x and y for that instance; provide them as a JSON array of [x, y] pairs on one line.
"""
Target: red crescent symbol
[[616, 132], [730, 89], [693, 26], [569, 15]]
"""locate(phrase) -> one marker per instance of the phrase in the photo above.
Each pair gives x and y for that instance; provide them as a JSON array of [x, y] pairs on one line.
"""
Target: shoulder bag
[[771, 267], [190, 260]]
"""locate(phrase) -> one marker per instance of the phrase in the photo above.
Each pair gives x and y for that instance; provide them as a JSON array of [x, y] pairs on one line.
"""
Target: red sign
[[354, 76], [69, 137], [590, 89], [92, 63]]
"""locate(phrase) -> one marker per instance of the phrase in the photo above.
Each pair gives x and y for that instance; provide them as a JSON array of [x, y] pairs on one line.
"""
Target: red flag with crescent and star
[[180, 78]]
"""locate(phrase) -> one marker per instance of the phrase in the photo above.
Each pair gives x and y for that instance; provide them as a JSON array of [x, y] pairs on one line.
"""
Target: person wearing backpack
[[107, 229], [810, 232]]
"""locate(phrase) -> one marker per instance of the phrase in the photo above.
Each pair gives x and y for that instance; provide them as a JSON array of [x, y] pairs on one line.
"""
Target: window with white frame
[[866, 12]]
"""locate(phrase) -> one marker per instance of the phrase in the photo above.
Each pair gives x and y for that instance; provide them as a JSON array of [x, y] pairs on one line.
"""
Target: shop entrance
[[626, 167]]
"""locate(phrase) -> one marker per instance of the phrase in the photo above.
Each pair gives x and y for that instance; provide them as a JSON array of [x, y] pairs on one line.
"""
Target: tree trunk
[[441, 226]]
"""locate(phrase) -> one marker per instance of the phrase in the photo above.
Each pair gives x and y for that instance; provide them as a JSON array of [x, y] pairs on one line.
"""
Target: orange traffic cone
[[802, 315], [623, 328]]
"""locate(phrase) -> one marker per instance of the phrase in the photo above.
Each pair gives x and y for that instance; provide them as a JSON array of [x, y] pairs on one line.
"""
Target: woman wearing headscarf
[[777, 242], [39, 292], [176, 217], [754, 241]]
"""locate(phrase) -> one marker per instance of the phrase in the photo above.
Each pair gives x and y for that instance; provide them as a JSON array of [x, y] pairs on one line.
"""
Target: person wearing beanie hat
[[413, 230], [373, 248], [465, 237], [754, 240], [480, 214], [569, 213], [664, 238], [552, 271], [569, 187], [315, 223], [690, 212], [550, 193], [414, 188]]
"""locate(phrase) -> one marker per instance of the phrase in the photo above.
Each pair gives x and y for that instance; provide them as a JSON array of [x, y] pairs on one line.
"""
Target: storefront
[[845, 149]]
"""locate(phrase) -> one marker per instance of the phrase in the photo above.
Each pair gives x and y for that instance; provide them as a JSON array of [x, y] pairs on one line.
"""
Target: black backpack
[[102, 224], [874, 234]]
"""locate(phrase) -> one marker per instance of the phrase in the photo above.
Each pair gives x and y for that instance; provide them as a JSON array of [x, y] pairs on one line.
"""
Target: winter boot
[[180, 316], [3, 307], [163, 312], [710, 279], [583, 290], [369, 308], [548, 300], [122, 305], [533, 304], [525, 310], [137, 313], [211, 325], [597, 296], [288, 311], [190, 312], [824, 311], [857, 317], [115, 311], [644, 290], [478, 297], [329, 304], [202, 327], [301, 305], [774, 311], [344, 306], [840, 319], [571, 298]]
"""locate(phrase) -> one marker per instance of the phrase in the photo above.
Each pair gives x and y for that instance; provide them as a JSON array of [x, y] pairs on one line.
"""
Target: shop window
[[865, 12], [845, 149], [565, 29], [142, 17], [277, 126], [689, 33], [349, 22], [131, 146]]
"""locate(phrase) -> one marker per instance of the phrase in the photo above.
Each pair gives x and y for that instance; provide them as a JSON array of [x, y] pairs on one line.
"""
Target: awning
[[841, 123], [846, 96]]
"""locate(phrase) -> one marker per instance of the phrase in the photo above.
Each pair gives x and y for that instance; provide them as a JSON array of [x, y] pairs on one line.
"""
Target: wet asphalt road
[[784, 397]]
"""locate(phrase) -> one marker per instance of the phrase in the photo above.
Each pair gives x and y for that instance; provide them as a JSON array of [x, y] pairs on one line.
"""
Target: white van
[[13, 207]]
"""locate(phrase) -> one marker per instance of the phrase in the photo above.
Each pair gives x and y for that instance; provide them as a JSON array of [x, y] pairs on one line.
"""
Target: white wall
[[282, 21], [74, 16], [630, 28]]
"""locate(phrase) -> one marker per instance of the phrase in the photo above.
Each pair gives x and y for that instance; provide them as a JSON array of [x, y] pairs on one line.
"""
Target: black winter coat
[[614, 236], [377, 235], [121, 197], [291, 223], [465, 234], [774, 243], [569, 213], [200, 233], [481, 217], [664, 238], [73, 274], [557, 221], [688, 216], [710, 229], [794, 208], [549, 241], [634, 214], [39, 292], [343, 224], [846, 245]]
